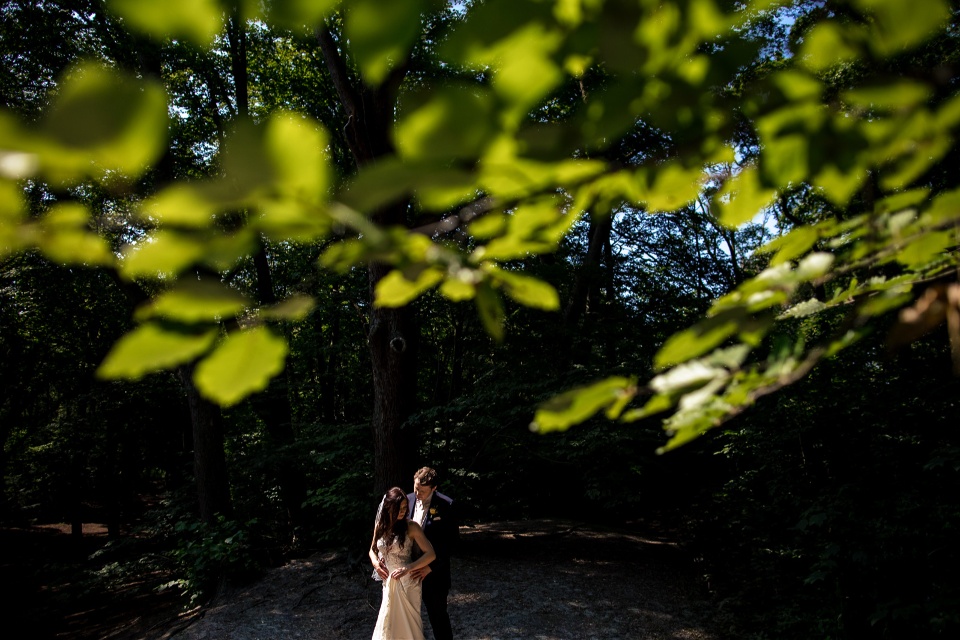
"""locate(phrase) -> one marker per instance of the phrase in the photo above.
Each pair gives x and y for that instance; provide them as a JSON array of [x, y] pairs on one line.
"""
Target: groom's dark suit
[[440, 527]]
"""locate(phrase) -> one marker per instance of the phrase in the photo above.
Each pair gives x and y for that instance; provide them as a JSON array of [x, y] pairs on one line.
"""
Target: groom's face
[[424, 491]]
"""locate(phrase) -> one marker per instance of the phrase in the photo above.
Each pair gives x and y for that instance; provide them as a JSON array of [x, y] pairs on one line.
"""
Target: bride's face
[[403, 511]]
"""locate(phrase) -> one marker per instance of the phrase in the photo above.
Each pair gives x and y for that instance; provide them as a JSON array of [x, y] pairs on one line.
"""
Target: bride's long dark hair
[[388, 519]]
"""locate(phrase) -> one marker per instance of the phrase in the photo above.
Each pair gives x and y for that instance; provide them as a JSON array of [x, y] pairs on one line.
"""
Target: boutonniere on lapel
[[433, 513]]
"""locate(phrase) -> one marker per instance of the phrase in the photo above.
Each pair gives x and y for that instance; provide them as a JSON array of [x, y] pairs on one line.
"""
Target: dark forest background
[[828, 510]]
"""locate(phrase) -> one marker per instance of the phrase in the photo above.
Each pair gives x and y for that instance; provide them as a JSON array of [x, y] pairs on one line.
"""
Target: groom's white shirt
[[418, 510]]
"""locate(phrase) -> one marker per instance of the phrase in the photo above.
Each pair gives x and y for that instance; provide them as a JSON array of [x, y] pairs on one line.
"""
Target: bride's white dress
[[399, 617]]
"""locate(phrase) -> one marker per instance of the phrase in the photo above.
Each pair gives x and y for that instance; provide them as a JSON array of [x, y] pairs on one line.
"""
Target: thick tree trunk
[[393, 335], [209, 457], [393, 342]]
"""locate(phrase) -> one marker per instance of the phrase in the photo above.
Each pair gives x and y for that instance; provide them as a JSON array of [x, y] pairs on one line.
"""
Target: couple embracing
[[410, 553]]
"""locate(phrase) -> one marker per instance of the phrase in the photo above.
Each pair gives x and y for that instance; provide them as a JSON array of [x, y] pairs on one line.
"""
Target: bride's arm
[[375, 558], [416, 534]]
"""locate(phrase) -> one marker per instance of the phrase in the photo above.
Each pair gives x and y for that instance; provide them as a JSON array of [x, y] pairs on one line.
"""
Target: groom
[[434, 512]]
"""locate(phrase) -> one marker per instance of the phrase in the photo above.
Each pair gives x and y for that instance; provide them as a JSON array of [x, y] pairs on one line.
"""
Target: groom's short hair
[[426, 476]]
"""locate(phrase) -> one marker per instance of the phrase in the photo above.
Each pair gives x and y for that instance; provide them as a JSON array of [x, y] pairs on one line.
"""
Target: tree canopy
[[676, 105]]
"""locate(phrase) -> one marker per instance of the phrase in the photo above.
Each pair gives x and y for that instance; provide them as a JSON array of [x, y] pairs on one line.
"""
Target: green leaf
[[792, 245], [686, 376], [453, 122], [457, 290], [66, 237], [814, 266], [195, 301], [671, 186], [163, 253], [296, 148], [395, 290], [838, 184], [532, 228], [150, 348], [198, 21], [387, 181], [526, 72], [179, 205], [743, 198], [925, 249], [294, 309], [381, 34], [890, 96], [102, 120], [804, 309], [490, 308], [900, 25], [528, 291], [575, 406], [827, 45], [223, 251], [657, 404], [885, 301], [12, 212], [242, 364], [699, 339], [300, 15]]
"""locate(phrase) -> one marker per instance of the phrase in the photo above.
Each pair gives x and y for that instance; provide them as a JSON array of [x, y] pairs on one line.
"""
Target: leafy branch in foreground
[[728, 121]]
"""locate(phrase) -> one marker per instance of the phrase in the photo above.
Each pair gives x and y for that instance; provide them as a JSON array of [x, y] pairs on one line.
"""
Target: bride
[[391, 553]]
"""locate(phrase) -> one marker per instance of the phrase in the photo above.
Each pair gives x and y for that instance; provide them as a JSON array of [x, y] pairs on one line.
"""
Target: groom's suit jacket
[[440, 527]]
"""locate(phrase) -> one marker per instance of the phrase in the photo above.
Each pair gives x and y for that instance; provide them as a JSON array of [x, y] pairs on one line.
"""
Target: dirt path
[[541, 580]]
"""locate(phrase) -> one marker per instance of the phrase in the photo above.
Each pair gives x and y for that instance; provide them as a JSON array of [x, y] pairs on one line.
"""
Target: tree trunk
[[393, 335], [393, 342], [209, 457]]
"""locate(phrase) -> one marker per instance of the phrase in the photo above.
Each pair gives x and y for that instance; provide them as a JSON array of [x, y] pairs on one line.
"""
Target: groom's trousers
[[435, 592]]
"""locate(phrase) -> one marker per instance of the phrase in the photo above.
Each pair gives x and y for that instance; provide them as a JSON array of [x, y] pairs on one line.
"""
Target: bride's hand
[[399, 572]]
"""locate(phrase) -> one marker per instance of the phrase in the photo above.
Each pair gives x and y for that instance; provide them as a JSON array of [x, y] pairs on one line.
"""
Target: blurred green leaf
[[223, 251], [575, 406], [150, 348], [453, 122], [528, 291], [827, 45], [901, 25], [381, 34], [102, 120], [163, 253], [195, 301], [697, 340], [804, 309], [296, 148], [198, 21], [300, 15], [180, 205], [926, 248], [490, 308], [670, 187], [11, 217], [458, 290], [792, 245], [294, 309], [743, 197], [892, 96], [395, 290], [242, 364], [67, 237]]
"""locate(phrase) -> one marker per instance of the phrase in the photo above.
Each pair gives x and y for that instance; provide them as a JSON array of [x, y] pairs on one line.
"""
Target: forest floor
[[543, 579]]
